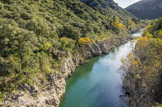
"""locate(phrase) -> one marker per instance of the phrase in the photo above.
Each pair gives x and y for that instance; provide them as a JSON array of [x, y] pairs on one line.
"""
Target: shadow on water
[[97, 83], [83, 70]]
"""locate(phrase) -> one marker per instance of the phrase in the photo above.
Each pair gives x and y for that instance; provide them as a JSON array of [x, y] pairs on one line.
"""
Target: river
[[99, 82]]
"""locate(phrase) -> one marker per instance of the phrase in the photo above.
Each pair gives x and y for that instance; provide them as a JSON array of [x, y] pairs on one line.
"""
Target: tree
[[142, 80], [70, 32], [67, 44], [84, 40], [39, 26], [117, 25]]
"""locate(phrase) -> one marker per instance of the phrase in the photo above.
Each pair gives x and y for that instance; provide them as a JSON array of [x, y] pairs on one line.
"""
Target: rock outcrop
[[50, 94]]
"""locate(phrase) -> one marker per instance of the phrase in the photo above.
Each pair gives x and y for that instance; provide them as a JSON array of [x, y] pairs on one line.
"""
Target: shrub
[[117, 25], [159, 34], [131, 23], [70, 32], [67, 44], [149, 35], [84, 40], [46, 46], [15, 40], [39, 26]]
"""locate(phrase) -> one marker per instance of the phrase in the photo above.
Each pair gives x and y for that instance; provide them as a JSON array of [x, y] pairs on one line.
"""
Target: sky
[[125, 3]]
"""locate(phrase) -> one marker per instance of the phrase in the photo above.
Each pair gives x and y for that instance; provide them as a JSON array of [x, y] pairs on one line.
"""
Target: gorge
[[99, 82], [46, 48]]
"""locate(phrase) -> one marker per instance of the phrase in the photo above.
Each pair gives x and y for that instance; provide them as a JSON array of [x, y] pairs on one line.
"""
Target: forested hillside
[[143, 67], [146, 9], [36, 35]]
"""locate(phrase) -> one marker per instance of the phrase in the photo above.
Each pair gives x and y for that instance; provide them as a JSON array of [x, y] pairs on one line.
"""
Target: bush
[[67, 44], [116, 25], [16, 40], [39, 26], [70, 32], [143, 66], [131, 23], [46, 46], [84, 40], [159, 34]]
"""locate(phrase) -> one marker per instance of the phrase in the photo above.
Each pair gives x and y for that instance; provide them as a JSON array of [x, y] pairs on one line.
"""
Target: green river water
[[99, 82]]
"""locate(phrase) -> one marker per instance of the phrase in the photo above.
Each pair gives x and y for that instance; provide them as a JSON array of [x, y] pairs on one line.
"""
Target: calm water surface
[[98, 83]]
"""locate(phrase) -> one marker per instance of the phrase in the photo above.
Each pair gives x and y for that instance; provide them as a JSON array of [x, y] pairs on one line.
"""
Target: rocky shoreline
[[50, 95]]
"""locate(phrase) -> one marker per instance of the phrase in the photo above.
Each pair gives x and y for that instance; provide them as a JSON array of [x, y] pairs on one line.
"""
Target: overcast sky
[[125, 3]]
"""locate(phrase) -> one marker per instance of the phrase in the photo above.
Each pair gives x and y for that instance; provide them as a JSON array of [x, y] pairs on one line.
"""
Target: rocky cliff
[[39, 39], [50, 94], [146, 9]]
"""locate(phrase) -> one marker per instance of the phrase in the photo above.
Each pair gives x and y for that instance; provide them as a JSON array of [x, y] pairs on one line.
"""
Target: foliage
[[158, 105], [147, 32], [67, 43], [143, 68], [117, 25], [71, 32], [39, 26], [154, 29], [131, 23], [159, 33], [84, 40], [32, 33], [142, 42], [46, 46]]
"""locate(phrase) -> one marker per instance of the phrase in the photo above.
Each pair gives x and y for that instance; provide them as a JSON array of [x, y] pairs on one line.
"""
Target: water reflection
[[98, 83]]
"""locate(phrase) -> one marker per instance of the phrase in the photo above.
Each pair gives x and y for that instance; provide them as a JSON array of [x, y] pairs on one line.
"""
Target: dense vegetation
[[36, 35], [146, 9], [143, 79]]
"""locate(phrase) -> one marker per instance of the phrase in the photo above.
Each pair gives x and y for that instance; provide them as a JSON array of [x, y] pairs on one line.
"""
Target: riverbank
[[142, 79], [52, 91], [38, 37], [87, 51], [98, 82]]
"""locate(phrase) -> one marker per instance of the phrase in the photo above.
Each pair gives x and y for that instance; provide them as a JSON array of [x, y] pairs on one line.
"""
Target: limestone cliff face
[[50, 94]]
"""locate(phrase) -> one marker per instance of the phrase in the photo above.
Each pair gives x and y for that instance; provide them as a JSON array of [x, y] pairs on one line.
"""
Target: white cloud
[[125, 3]]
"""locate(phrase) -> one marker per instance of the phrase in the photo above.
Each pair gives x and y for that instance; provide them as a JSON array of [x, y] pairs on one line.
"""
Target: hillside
[[37, 36], [110, 9], [143, 68], [101, 4], [146, 9]]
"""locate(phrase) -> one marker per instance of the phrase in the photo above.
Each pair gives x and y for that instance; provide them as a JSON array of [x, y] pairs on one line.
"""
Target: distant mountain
[[146, 9], [110, 9]]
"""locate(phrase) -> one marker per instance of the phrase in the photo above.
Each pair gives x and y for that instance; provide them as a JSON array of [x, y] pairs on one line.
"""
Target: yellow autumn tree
[[121, 26], [160, 33], [143, 68], [147, 32], [142, 41], [84, 40], [131, 23], [116, 24]]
